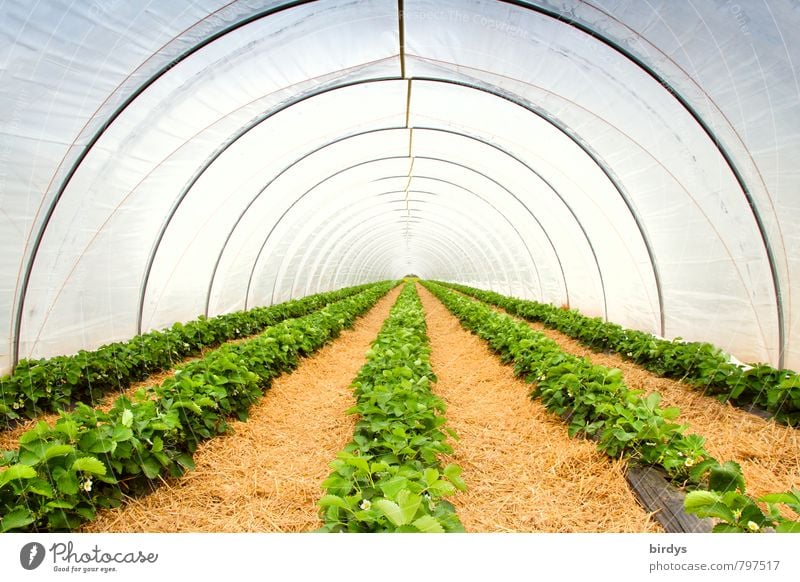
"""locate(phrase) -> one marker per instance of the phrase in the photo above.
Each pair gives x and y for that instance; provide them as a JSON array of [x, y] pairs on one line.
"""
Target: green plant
[[388, 477], [726, 501]]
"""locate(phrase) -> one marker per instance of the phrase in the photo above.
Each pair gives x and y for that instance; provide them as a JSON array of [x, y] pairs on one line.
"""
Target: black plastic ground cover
[[665, 501]]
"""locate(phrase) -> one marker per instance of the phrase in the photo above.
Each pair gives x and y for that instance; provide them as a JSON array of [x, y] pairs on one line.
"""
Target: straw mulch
[[769, 453], [523, 472], [266, 475]]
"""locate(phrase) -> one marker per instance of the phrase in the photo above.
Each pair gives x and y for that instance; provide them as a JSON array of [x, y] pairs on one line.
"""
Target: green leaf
[[151, 467], [40, 430], [121, 433], [58, 451], [87, 513], [16, 519], [653, 400], [67, 484], [671, 413], [101, 445], [699, 470], [391, 487], [751, 512], [90, 465], [163, 459], [409, 504], [358, 463], [186, 461], [624, 436], [17, 472], [158, 444], [40, 487], [431, 475], [708, 504], [428, 524], [335, 501], [442, 489], [127, 417], [727, 477], [68, 428], [188, 404], [391, 510], [453, 473], [726, 528], [788, 527]]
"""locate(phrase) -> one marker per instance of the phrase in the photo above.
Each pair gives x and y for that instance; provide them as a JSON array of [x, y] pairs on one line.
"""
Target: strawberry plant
[[388, 478], [726, 501]]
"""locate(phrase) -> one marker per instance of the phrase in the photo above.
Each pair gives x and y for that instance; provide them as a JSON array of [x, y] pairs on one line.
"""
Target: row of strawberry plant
[[60, 476], [701, 364], [388, 478], [58, 382], [596, 402]]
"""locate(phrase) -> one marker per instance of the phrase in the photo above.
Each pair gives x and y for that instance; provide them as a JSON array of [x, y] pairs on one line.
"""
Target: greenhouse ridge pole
[[374, 245], [449, 226], [371, 257], [528, 210], [512, 99], [401, 27], [289, 208]]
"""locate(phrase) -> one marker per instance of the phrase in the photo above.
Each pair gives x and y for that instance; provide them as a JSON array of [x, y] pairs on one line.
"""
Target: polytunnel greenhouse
[[399, 265]]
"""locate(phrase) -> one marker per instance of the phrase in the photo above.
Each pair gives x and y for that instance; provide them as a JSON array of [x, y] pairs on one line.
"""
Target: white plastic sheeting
[[636, 160]]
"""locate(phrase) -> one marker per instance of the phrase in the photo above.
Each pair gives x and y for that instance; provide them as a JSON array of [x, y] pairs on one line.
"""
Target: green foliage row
[[388, 478], [60, 476], [701, 364], [55, 383], [596, 402]]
